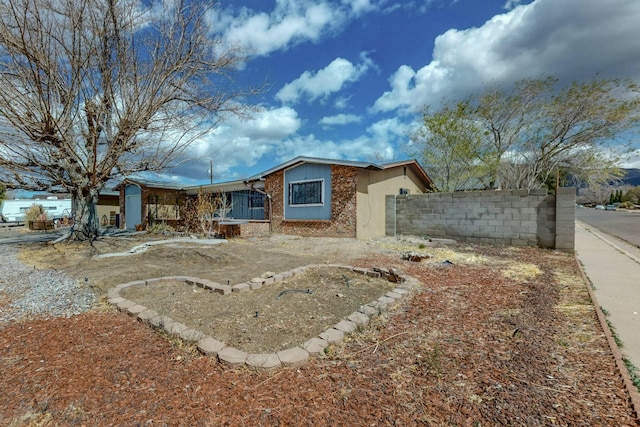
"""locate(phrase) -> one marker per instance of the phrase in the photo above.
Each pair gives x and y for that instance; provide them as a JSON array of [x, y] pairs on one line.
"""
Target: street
[[621, 224], [21, 234]]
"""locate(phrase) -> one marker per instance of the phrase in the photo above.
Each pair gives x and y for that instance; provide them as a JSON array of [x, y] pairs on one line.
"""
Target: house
[[323, 197], [143, 202], [304, 196]]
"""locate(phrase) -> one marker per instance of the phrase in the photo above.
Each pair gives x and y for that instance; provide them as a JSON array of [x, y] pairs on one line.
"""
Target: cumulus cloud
[[313, 85], [510, 4], [572, 40], [239, 142], [291, 22], [632, 160], [340, 119], [378, 141]]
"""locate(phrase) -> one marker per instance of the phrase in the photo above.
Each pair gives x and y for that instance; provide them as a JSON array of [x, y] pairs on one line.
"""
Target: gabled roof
[[415, 166], [363, 165], [314, 160]]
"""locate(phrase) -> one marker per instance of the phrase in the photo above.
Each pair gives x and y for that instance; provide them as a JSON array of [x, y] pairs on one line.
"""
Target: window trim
[[304, 181]]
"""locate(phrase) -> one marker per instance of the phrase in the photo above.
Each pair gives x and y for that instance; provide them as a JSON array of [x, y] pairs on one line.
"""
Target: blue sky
[[348, 78]]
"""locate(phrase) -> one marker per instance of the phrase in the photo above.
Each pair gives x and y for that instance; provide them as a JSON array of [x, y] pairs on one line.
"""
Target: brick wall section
[[254, 229], [511, 217], [123, 214], [273, 187], [343, 206]]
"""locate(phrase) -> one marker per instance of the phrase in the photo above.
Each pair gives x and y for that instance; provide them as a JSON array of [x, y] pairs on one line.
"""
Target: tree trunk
[[85, 216]]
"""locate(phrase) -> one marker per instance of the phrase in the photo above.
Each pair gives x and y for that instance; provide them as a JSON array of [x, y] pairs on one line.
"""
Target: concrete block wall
[[566, 219], [510, 217]]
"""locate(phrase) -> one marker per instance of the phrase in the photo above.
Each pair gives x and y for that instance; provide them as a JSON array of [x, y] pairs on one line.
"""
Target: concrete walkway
[[613, 266]]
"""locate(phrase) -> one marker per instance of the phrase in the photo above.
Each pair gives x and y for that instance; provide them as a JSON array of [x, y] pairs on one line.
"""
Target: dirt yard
[[275, 317], [496, 336]]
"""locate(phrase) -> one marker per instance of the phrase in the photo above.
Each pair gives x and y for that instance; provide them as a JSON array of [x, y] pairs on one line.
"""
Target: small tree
[[449, 143], [3, 191], [197, 213], [632, 195], [223, 204]]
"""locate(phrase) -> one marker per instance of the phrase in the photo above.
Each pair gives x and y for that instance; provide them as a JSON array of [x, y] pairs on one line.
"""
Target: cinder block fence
[[509, 217]]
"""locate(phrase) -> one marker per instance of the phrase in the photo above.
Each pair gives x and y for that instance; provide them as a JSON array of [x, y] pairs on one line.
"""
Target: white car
[[600, 207]]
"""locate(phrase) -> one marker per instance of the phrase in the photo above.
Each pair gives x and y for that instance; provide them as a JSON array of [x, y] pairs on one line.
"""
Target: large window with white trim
[[306, 193]]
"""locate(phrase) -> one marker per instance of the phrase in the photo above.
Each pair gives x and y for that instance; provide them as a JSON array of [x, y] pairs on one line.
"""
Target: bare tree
[[531, 130], [94, 90], [537, 128]]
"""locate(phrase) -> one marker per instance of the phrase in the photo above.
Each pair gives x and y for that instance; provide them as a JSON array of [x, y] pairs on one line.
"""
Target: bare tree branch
[[95, 90]]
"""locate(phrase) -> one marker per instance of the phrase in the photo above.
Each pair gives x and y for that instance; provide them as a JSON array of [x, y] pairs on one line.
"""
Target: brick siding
[[343, 206]]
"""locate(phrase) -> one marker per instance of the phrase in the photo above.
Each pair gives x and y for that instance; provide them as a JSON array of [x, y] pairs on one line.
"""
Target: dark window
[[256, 200], [305, 193]]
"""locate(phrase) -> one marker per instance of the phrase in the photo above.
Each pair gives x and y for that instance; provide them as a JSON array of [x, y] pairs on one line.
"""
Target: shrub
[[161, 228], [626, 205], [36, 213]]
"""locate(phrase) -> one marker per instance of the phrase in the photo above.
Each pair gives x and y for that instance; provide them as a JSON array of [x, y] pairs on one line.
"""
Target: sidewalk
[[613, 266]]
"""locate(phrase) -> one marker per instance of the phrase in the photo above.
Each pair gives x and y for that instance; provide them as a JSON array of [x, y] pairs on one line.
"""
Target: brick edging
[[289, 357], [632, 391]]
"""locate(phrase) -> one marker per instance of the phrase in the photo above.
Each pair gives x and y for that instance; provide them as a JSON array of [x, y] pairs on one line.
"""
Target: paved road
[[624, 225], [10, 235]]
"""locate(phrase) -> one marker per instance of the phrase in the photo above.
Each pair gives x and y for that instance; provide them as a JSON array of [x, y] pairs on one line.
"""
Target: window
[[256, 200], [306, 193]]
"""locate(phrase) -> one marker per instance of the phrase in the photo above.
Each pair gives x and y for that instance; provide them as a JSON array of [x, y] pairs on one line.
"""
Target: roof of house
[[314, 160], [255, 181], [150, 183], [224, 187], [364, 165]]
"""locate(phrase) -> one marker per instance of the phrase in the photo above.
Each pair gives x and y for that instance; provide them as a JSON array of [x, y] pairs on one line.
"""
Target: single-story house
[[305, 196], [144, 202]]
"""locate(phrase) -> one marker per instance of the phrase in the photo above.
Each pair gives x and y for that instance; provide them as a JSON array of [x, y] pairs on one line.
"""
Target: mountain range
[[631, 177]]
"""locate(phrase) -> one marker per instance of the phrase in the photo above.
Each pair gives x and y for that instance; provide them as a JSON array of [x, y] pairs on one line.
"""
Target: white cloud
[[263, 33], [570, 39], [378, 141], [319, 84], [239, 142], [291, 22], [360, 6], [510, 4], [340, 119], [632, 160], [342, 102]]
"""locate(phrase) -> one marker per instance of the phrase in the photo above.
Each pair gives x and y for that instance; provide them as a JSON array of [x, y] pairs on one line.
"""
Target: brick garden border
[[290, 357]]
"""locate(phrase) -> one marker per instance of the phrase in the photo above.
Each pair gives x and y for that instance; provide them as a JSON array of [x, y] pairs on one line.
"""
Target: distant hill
[[631, 177]]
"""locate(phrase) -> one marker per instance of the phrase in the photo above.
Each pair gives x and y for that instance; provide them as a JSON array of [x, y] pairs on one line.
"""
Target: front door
[[132, 206]]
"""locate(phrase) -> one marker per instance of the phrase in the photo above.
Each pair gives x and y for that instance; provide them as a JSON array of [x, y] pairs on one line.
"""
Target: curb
[[632, 391]]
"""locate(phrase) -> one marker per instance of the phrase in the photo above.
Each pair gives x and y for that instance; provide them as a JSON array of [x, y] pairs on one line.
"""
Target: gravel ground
[[26, 292]]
